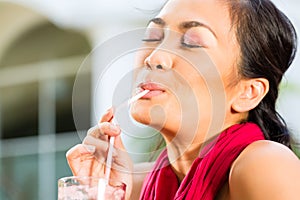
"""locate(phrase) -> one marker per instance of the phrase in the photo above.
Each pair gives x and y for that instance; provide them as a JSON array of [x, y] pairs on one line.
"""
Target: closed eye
[[151, 40], [153, 35], [189, 45]]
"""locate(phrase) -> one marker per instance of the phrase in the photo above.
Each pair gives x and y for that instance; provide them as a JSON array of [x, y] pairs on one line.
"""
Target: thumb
[[122, 160], [119, 143]]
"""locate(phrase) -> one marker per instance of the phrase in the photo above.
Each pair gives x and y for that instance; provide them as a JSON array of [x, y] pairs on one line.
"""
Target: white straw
[[109, 157], [138, 96], [101, 189], [111, 149]]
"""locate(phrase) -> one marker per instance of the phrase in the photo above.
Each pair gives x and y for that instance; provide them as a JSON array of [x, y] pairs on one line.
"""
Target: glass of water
[[86, 188]]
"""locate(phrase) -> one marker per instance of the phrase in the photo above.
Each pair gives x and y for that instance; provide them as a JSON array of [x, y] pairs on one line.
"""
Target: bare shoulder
[[265, 170]]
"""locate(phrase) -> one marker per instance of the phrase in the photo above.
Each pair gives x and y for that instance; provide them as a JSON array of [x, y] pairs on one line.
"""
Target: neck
[[181, 159], [185, 145], [183, 150]]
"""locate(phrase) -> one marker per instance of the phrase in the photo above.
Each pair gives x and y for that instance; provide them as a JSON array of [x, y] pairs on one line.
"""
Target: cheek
[[141, 56], [203, 97], [197, 104], [195, 101], [226, 58]]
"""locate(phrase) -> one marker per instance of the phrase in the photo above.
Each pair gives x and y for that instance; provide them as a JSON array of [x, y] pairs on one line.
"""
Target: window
[[37, 73]]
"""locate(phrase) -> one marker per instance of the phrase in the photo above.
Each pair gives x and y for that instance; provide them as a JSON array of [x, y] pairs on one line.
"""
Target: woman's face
[[188, 63]]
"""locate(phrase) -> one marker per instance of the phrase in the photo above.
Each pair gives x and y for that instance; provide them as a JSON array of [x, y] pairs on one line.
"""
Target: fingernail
[[109, 110], [90, 148]]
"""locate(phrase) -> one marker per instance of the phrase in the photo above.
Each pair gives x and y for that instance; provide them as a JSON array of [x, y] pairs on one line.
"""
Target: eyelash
[[151, 40], [191, 46], [182, 43]]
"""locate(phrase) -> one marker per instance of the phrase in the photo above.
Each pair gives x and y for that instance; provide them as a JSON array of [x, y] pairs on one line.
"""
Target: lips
[[154, 89]]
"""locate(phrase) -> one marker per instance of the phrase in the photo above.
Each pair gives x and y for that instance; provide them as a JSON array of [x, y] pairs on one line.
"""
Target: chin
[[140, 114], [146, 113]]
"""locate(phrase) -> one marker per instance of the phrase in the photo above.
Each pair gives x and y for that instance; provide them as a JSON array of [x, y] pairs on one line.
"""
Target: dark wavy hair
[[268, 43]]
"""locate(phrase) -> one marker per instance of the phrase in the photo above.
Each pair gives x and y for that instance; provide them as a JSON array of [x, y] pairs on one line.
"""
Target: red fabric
[[207, 174]]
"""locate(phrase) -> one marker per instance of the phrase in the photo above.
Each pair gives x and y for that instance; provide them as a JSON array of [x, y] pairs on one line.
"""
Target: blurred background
[[42, 46]]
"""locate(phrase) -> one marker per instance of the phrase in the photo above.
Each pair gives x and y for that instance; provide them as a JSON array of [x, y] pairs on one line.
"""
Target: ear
[[252, 91]]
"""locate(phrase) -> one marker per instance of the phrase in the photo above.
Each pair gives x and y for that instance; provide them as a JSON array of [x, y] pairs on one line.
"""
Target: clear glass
[[86, 188]]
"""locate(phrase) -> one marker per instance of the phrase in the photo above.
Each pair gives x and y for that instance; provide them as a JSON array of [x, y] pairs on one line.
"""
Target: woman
[[235, 147]]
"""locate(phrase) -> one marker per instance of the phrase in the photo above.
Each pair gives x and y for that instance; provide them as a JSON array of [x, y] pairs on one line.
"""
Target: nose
[[159, 59]]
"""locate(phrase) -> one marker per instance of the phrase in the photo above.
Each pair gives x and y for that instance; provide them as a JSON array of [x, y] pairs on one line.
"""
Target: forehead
[[214, 13]]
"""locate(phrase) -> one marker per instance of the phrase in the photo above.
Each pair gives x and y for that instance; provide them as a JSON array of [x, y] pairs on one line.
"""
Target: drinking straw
[[101, 189], [103, 182]]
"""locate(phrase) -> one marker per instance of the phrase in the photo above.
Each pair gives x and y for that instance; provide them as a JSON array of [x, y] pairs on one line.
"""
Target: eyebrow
[[191, 24], [158, 21], [184, 25]]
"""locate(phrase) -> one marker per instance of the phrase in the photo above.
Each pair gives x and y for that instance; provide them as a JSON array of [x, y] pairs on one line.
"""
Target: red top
[[208, 173]]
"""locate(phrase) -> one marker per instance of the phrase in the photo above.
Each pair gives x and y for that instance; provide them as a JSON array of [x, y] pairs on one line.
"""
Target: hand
[[89, 158]]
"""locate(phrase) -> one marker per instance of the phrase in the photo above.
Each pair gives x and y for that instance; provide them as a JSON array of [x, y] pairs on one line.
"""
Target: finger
[[101, 147], [104, 129], [119, 143], [80, 159], [109, 129], [107, 117], [95, 132], [80, 150], [122, 161]]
